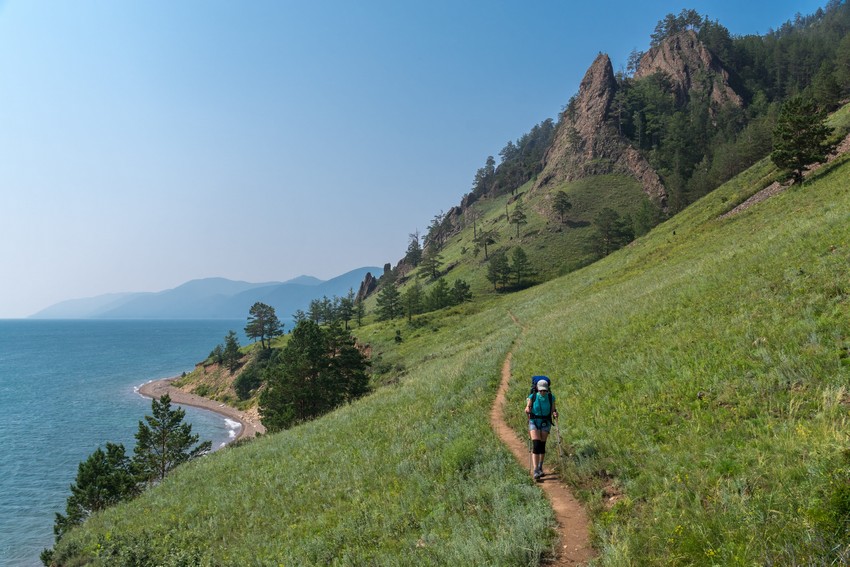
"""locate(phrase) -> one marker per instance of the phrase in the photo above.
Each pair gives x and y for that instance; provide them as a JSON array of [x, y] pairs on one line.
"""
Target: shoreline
[[155, 389]]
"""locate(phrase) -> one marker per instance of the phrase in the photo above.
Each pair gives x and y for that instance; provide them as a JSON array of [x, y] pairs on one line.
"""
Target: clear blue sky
[[144, 144]]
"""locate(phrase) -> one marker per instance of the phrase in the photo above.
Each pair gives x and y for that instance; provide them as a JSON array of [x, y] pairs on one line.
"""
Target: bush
[[248, 381]]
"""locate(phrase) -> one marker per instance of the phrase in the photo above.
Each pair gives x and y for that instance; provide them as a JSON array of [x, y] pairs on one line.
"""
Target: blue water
[[68, 387]]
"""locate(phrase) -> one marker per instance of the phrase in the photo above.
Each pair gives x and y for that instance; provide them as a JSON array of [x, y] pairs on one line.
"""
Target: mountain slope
[[702, 379]]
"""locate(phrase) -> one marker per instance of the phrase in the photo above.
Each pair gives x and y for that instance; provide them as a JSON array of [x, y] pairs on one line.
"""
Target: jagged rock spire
[[586, 143], [691, 68]]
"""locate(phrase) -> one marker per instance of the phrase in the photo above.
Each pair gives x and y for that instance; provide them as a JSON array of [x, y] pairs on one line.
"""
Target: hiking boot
[[537, 474]]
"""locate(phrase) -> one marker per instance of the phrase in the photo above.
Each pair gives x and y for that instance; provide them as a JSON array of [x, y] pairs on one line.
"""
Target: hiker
[[540, 409]]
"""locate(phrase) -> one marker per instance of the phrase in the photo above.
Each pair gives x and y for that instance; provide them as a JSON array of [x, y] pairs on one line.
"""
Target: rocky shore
[[251, 425]]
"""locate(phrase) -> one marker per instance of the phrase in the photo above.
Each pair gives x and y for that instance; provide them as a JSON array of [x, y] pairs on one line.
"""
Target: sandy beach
[[251, 426]]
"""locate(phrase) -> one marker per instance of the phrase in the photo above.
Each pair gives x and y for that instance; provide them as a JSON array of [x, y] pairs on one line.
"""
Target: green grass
[[553, 248], [708, 373], [412, 475], [702, 377]]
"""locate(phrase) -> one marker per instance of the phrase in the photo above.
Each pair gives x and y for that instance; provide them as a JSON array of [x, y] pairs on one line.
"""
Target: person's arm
[[554, 411], [528, 407]]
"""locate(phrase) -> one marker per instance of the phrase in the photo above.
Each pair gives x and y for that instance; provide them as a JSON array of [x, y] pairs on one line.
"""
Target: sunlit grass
[[412, 475], [702, 375], [707, 389]]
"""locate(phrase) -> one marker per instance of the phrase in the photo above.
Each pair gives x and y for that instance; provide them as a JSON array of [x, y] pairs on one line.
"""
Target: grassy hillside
[[554, 248], [702, 376]]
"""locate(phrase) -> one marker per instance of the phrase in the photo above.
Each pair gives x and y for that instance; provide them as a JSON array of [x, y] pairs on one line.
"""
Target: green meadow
[[702, 376]]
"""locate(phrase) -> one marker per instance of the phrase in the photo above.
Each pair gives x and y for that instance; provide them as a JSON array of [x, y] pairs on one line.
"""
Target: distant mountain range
[[209, 298]]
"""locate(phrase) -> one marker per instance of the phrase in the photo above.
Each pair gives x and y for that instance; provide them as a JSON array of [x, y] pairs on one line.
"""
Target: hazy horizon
[[149, 144]]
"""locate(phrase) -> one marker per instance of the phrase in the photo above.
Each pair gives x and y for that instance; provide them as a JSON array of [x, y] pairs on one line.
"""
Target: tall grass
[[412, 475], [709, 386], [702, 378]]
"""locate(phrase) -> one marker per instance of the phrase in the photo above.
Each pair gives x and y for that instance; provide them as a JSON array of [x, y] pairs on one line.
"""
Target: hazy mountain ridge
[[208, 298]]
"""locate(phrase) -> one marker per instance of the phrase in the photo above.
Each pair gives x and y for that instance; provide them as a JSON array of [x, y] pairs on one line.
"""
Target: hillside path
[[573, 524]]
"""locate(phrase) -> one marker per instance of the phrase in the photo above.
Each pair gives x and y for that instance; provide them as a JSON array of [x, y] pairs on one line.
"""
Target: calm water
[[67, 387]]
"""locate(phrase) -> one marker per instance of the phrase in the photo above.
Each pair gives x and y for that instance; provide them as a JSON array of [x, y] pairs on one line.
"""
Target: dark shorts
[[539, 424]]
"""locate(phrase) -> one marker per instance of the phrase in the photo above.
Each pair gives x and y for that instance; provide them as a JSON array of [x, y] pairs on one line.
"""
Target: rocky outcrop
[[367, 286], [691, 68], [586, 143]]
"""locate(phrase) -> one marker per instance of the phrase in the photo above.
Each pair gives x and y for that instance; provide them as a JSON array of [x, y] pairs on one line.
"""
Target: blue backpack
[[534, 381]]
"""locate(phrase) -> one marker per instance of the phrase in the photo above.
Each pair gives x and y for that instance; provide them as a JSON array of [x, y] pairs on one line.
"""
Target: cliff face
[[691, 69], [586, 143]]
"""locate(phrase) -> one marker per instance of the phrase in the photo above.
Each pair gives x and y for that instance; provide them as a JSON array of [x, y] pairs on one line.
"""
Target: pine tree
[[498, 270], [346, 308], [316, 371], [389, 302], [165, 442], [231, 353], [439, 297], [519, 217], [414, 250], [359, 311], [612, 231], [460, 292], [521, 267], [413, 299], [431, 262], [263, 324], [290, 395], [104, 479], [800, 137], [485, 238], [347, 378], [561, 204]]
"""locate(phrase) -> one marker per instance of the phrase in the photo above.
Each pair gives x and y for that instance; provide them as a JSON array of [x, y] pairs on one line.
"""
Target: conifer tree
[[521, 267], [104, 479], [346, 308], [263, 324], [498, 270], [413, 299], [800, 137], [316, 371], [431, 262], [164, 442], [231, 353], [484, 239], [561, 204], [389, 302], [612, 231], [359, 311], [439, 296], [414, 250], [519, 217], [460, 292]]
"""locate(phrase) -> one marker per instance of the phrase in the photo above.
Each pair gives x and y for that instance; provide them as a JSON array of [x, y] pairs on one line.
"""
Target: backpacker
[[534, 392]]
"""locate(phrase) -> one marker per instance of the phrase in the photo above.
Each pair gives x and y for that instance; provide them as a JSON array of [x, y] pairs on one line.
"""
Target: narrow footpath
[[573, 525]]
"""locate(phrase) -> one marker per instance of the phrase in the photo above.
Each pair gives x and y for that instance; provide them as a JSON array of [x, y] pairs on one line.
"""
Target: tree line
[[319, 368], [696, 147]]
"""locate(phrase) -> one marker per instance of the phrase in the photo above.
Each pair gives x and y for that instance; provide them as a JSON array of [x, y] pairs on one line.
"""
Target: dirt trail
[[573, 525]]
